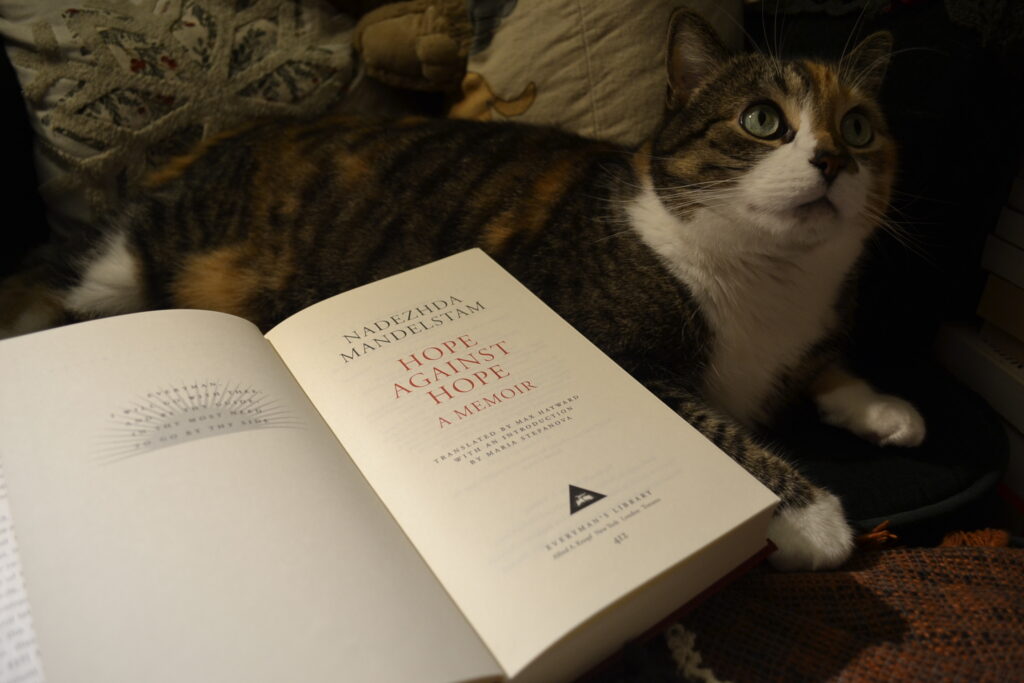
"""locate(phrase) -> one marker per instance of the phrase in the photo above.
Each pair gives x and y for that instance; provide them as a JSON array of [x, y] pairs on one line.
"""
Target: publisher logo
[[581, 498]]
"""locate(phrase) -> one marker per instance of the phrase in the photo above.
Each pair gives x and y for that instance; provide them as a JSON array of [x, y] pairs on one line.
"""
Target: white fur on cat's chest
[[765, 309], [762, 326]]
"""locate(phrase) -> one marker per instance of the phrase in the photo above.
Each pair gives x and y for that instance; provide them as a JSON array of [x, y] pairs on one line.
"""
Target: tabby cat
[[719, 254]]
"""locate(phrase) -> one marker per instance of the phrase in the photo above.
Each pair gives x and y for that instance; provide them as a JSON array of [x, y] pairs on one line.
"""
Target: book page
[[183, 514], [19, 655], [539, 481]]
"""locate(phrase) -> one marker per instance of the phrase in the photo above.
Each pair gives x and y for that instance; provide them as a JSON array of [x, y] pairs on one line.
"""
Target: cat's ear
[[866, 64], [694, 51]]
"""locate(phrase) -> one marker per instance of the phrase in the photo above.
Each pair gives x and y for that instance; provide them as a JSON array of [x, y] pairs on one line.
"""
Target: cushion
[[596, 69], [945, 483], [116, 87]]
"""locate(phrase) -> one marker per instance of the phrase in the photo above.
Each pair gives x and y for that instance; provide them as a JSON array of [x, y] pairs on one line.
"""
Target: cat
[[715, 262]]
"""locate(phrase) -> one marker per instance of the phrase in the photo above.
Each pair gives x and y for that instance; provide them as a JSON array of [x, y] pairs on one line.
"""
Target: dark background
[[23, 223], [954, 97]]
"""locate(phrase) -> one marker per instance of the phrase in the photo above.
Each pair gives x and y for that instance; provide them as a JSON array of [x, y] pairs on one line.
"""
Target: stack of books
[[990, 358]]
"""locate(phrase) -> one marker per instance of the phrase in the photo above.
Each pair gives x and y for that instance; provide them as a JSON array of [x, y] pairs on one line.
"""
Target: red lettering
[[436, 349], [465, 381], [411, 359], [418, 380], [443, 390]]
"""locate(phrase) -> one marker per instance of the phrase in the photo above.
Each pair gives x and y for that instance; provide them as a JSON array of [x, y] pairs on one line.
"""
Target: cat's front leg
[[851, 403], [809, 527]]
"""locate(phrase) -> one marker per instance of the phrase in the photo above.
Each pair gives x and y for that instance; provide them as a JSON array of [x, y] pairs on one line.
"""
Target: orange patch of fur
[[642, 160], [290, 204], [821, 74], [410, 121], [546, 190], [498, 231], [283, 168], [353, 169], [685, 166], [551, 185], [833, 97], [178, 165], [218, 280], [324, 123]]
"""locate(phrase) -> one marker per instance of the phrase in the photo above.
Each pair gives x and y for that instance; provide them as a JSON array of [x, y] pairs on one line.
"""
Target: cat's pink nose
[[830, 163]]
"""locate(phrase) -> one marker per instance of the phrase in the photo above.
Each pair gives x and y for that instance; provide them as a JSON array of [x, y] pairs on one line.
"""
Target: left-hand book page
[[183, 514]]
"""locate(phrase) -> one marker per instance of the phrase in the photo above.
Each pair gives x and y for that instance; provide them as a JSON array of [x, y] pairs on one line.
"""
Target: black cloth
[[946, 483]]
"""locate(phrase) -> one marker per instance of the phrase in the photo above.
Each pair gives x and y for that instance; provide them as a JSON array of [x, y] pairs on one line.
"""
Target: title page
[[539, 481]]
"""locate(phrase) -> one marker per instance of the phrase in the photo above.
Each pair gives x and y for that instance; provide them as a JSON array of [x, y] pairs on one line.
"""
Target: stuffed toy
[[418, 44]]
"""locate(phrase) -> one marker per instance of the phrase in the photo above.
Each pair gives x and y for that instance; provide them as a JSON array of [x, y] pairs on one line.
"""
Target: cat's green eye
[[763, 121], [856, 129]]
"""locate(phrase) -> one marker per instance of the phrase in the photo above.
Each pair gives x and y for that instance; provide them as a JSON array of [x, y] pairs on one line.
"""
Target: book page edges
[[671, 593]]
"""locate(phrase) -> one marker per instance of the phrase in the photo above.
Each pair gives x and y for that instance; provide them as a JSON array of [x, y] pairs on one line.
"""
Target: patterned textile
[[1000, 22], [950, 613], [116, 87]]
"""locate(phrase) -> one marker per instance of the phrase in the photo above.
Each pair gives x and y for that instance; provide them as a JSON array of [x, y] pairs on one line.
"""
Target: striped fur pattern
[[713, 262]]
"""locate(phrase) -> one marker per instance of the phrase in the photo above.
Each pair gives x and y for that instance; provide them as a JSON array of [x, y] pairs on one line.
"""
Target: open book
[[432, 478]]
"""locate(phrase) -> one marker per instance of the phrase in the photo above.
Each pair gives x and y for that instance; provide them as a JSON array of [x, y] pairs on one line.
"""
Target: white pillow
[[595, 68]]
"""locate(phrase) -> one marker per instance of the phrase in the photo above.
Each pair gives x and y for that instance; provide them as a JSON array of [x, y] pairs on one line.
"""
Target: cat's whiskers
[[688, 202], [627, 231], [897, 230], [703, 186], [858, 79], [676, 197], [843, 64], [772, 56], [709, 199], [933, 200], [891, 209], [908, 242], [643, 184]]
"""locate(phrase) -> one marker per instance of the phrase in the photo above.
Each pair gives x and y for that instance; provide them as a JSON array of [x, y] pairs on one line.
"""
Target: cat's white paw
[[891, 421], [815, 536], [884, 419]]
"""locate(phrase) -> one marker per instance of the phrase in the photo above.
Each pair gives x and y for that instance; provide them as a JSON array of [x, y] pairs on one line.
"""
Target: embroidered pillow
[[115, 87]]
